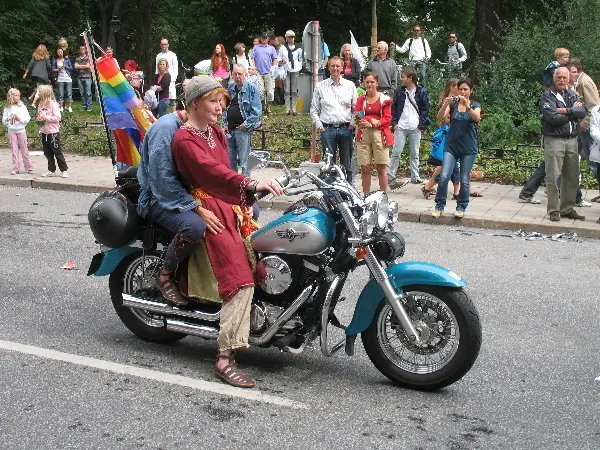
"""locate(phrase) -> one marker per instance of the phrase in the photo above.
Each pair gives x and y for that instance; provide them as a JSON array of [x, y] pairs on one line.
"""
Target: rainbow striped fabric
[[124, 116]]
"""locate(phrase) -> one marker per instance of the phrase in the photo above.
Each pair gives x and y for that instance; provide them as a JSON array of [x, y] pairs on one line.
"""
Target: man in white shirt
[[292, 56], [331, 111], [418, 51], [171, 58]]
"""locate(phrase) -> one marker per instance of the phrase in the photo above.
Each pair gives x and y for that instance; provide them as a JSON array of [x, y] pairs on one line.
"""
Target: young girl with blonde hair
[[16, 117], [49, 115]]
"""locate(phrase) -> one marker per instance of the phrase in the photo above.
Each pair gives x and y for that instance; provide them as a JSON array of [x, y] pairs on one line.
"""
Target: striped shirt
[[332, 102]]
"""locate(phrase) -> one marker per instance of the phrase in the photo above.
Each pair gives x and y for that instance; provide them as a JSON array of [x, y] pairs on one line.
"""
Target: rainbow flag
[[124, 116]]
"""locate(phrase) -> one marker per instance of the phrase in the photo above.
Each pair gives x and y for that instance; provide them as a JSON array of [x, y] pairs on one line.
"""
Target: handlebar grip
[[283, 180]]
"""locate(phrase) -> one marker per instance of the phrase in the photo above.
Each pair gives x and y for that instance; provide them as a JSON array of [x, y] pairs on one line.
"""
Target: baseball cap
[[289, 33], [265, 35], [200, 85]]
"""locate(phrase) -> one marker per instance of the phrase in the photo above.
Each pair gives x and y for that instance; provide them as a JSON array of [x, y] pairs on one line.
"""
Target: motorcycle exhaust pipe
[[132, 301], [193, 329]]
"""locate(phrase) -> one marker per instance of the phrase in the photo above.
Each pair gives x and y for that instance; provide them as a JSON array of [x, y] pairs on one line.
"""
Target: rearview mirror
[[258, 159]]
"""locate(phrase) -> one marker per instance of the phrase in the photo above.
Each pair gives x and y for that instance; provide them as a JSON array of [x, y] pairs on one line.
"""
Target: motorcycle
[[418, 325]]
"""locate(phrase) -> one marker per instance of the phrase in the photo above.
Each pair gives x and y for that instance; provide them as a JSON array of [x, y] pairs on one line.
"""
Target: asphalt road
[[533, 385]]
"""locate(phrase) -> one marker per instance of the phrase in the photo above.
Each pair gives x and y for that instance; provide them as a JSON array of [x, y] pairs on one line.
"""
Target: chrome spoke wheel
[[140, 277], [438, 330]]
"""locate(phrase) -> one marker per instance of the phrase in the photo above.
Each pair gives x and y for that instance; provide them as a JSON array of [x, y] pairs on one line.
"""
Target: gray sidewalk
[[499, 208]]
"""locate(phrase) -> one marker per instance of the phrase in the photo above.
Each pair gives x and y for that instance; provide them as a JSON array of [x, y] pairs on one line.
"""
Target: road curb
[[46, 184], [472, 222], [404, 216]]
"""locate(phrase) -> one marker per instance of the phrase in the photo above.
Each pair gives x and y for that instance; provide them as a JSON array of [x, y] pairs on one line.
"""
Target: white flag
[[356, 53]]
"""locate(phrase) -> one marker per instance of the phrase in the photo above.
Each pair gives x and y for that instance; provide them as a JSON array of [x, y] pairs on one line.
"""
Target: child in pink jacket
[[49, 116], [16, 117]]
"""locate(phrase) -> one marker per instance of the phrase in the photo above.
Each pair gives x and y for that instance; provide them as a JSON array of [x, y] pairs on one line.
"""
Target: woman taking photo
[[351, 67], [40, 69], [374, 137], [461, 145], [220, 65], [438, 141], [161, 87], [200, 154], [62, 67]]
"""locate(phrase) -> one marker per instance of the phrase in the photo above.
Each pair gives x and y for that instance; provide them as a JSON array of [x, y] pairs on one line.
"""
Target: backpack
[[438, 140], [422, 42]]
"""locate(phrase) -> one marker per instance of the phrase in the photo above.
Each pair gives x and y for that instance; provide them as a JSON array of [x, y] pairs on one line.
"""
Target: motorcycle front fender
[[400, 275], [110, 260]]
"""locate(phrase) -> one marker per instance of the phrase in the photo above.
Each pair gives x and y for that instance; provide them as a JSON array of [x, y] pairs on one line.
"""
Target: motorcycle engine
[[279, 275], [287, 275]]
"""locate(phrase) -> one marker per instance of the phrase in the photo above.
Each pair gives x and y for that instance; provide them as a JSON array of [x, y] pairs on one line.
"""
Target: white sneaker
[[65, 174], [70, 109], [49, 174], [584, 204], [436, 213]]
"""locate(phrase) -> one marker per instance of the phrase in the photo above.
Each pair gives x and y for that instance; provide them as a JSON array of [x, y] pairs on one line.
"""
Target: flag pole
[[89, 45]]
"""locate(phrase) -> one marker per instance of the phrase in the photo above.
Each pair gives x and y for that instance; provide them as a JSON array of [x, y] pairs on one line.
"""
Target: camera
[[455, 98]]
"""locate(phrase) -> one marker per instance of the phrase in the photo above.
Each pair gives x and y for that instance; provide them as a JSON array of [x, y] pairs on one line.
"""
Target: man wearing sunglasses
[[418, 51]]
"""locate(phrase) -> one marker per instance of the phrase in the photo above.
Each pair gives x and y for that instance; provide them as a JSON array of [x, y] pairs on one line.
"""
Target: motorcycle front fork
[[394, 299]]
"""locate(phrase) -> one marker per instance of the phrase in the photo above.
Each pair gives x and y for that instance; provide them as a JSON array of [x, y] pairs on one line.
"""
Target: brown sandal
[[232, 375], [171, 293]]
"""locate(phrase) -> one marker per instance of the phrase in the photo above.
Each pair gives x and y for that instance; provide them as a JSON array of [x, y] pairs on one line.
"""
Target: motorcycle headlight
[[367, 223], [378, 203]]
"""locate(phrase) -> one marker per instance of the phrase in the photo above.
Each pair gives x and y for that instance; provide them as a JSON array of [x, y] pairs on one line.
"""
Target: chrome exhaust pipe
[[282, 319], [193, 329], [132, 301]]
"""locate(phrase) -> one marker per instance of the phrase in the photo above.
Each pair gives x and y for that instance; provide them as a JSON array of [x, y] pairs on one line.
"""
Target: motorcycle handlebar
[[283, 180]]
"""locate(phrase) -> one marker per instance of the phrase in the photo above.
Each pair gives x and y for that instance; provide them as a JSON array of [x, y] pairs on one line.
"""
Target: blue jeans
[[65, 92], [414, 142], [239, 145], [85, 90], [163, 107], [448, 165], [339, 138]]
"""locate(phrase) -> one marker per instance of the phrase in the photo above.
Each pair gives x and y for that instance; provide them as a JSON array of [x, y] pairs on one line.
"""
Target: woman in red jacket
[[374, 137]]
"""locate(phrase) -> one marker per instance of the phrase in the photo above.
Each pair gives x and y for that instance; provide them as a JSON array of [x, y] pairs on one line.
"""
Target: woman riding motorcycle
[[200, 158]]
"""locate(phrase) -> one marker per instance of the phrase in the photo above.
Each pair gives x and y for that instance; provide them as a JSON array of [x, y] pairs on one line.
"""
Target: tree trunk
[[373, 28], [104, 22], [145, 57], [487, 28]]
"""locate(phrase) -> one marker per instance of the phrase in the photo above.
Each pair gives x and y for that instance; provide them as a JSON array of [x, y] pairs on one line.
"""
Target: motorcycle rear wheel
[[449, 326], [127, 278]]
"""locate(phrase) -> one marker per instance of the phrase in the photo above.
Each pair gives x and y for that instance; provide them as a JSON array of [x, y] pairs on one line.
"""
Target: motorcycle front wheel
[[136, 275], [450, 338]]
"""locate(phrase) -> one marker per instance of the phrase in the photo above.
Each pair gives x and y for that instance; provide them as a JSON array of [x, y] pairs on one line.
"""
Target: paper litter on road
[[569, 236], [69, 266]]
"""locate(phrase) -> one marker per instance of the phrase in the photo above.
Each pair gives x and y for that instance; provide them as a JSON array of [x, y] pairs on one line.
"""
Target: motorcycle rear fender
[[111, 260], [400, 275]]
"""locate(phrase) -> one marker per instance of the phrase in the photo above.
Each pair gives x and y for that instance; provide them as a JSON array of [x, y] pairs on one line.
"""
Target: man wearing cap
[[292, 56], [264, 56], [331, 111]]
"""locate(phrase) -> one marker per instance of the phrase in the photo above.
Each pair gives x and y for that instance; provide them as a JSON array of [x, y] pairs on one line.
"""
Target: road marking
[[598, 379], [123, 369]]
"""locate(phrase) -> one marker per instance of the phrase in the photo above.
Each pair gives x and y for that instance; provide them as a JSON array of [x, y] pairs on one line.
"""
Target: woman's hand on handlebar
[[272, 186], [213, 224]]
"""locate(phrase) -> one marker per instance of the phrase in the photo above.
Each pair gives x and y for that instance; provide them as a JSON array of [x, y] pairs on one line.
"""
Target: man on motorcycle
[[169, 204]]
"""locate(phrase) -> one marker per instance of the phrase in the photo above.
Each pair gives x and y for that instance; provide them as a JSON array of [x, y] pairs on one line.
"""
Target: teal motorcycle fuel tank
[[303, 231]]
